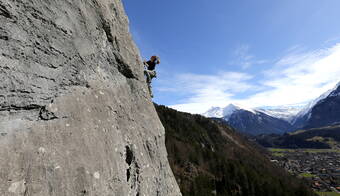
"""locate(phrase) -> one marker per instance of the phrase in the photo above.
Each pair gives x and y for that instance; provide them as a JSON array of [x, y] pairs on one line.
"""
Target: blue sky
[[248, 52]]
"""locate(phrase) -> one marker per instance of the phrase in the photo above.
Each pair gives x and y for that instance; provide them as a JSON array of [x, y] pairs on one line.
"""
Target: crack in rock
[[19, 108], [4, 12], [123, 67]]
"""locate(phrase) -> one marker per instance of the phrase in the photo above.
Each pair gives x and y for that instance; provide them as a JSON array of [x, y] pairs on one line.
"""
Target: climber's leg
[[150, 89], [147, 75], [152, 74]]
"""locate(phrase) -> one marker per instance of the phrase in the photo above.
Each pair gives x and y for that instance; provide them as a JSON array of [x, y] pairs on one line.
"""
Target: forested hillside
[[209, 158]]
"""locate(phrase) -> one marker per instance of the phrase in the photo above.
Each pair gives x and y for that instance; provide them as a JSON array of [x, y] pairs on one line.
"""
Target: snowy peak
[[286, 113], [281, 112], [250, 121], [307, 109], [214, 112], [322, 111], [229, 110], [255, 122], [226, 112], [336, 91]]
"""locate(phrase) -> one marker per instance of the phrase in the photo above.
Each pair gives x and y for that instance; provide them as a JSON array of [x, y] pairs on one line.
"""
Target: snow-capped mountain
[[249, 121], [229, 110], [214, 112], [323, 111], [307, 109], [257, 122], [218, 112], [286, 113]]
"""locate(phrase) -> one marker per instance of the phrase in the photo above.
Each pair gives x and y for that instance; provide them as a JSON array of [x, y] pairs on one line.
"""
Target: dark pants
[[149, 75]]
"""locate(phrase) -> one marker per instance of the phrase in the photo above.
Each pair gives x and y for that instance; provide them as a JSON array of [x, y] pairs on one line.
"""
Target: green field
[[280, 150], [283, 150], [328, 194], [307, 175], [278, 154]]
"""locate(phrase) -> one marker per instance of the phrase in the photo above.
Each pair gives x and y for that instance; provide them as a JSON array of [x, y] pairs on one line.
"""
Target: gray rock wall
[[75, 114]]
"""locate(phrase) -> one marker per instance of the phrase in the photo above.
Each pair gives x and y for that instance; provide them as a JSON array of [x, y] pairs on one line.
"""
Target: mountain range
[[323, 111]]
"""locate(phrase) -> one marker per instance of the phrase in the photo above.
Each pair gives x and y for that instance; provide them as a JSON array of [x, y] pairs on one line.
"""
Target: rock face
[[75, 114]]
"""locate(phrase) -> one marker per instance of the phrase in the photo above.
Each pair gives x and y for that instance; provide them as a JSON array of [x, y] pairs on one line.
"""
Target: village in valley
[[319, 167]]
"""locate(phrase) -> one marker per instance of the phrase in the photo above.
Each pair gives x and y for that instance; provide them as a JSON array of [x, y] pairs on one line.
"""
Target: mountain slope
[[76, 118], [286, 113], [209, 158], [214, 112], [249, 121], [217, 112], [321, 112], [257, 123], [318, 138]]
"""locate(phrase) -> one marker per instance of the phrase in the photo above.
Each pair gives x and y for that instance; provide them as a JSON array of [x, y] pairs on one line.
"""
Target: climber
[[150, 72]]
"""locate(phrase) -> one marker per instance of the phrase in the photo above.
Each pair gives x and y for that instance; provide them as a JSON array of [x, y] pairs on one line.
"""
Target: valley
[[320, 168], [312, 154]]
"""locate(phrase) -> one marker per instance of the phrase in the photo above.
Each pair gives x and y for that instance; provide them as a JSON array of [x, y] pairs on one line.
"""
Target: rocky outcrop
[[75, 114]]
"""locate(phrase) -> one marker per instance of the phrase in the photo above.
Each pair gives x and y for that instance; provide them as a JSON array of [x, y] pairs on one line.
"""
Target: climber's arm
[[145, 64]]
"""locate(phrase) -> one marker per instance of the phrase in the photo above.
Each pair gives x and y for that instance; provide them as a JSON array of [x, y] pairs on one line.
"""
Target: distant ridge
[[250, 121]]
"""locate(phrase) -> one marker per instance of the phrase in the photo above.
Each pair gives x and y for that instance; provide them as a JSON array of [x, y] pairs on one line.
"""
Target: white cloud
[[298, 78], [205, 91], [295, 78], [244, 58]]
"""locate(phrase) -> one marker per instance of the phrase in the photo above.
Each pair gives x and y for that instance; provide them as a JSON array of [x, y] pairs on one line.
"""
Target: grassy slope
[[209, 158]]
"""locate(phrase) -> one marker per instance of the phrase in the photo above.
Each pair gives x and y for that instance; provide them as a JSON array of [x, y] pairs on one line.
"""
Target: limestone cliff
[[75, 114]]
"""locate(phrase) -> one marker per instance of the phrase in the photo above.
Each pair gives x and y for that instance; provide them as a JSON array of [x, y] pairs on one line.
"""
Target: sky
[[248, 52]]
